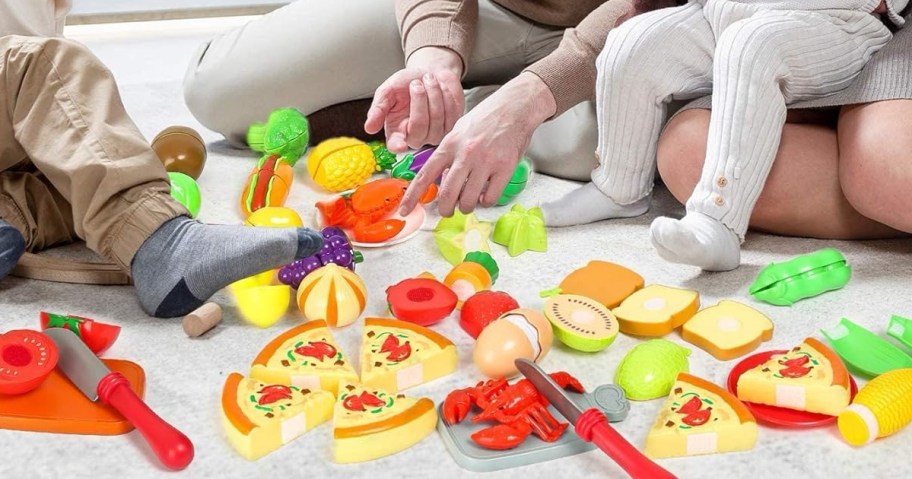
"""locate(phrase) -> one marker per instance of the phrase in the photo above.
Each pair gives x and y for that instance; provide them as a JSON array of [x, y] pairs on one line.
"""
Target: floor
[[185, 376]]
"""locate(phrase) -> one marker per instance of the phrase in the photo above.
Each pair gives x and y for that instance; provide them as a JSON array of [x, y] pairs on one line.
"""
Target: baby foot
[[587, 204], [697, 240]]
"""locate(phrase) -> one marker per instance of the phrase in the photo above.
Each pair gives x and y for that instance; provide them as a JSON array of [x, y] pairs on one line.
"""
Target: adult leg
[[805, 172], [631, 108], [761, 63]]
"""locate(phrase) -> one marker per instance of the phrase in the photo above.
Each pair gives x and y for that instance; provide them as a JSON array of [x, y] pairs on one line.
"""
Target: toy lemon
[[260, 300], [334, 294], [340, 164], [275, 217]]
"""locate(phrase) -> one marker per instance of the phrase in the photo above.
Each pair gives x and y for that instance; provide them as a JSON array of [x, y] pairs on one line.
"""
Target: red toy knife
[[592, 426], [96, 381]]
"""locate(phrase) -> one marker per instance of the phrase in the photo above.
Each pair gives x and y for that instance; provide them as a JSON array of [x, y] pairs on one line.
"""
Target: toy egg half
[[520, 333]]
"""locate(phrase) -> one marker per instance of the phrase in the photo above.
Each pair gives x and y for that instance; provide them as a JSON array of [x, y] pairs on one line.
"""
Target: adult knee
[[682, 150]]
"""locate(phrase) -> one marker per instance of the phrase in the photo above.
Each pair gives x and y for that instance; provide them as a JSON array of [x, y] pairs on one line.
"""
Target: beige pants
[[72, 163], [313, 54]]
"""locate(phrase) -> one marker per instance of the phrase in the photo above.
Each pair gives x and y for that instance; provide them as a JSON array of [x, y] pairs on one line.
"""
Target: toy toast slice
[[656, 310], [607, 283], [728, 330]]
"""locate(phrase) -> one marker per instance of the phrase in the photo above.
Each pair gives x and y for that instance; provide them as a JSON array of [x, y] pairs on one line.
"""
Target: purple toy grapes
[[336, 249]]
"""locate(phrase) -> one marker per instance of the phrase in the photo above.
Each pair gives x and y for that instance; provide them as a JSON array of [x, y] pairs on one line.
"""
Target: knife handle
[[171, 446], [592, 426]]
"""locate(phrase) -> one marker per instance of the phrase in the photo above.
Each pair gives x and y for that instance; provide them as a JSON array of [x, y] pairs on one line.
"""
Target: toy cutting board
[[58, 406]]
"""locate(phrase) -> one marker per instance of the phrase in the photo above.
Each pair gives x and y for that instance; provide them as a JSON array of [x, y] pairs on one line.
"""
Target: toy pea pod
[[803, 277]]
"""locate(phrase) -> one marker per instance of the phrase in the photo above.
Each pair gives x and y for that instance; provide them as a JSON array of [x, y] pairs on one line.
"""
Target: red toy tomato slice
[[422, 301], [698, 418], [482, 308], [97, 336], [26, 359], [691, 406]]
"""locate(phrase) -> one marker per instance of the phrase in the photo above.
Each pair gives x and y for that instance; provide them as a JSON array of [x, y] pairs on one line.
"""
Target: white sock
[[697, 240], [587, 204]]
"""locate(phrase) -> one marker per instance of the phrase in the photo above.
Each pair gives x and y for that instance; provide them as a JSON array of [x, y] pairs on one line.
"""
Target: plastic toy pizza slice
[[397, 355], [806, 276], [864, 351], [370, 423], [259, 417], [305, 356]]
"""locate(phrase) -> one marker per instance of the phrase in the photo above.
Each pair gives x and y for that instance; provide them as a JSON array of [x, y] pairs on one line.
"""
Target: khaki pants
[[72, 163], [313, 54]]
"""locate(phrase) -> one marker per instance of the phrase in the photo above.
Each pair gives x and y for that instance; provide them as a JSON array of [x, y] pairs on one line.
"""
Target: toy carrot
[[267, 185]]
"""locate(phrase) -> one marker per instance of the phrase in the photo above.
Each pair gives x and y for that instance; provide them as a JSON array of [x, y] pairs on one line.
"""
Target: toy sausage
[[267, 185]]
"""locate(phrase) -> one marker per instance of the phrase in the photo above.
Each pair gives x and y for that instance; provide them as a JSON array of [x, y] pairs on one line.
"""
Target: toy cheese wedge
[[728, 330], [656, 310], [396, 355]]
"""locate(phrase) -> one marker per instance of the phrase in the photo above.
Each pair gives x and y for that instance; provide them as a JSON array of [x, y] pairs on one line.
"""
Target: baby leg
[[646, 61], [761, 64]]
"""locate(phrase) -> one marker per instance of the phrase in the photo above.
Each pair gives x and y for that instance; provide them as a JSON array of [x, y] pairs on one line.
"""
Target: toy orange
[[267, 185], [477, 272], [334, 294], [607, 283]]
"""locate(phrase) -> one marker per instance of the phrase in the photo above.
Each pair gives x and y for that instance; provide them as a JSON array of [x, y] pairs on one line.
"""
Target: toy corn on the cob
[[340, 164]]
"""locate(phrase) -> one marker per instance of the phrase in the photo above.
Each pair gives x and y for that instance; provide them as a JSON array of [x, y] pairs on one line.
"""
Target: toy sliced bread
[[656, 310], [728, 330]]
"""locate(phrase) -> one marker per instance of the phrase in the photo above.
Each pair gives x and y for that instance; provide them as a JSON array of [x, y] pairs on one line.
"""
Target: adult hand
[[418, 105], [484, 147]]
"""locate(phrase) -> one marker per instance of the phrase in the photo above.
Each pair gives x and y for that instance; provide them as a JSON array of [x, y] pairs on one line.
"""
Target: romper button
[[719, 201], [722, 181]]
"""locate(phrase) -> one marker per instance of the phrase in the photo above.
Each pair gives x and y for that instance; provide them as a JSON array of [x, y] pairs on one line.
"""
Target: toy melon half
[[607, 283], [334, 294], [580, 322]]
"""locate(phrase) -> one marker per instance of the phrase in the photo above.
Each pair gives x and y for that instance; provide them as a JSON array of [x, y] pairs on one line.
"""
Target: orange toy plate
[[58, 406]]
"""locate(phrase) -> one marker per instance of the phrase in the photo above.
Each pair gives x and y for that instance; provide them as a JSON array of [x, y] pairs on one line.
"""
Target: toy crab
[[365, 211], [519, 408]]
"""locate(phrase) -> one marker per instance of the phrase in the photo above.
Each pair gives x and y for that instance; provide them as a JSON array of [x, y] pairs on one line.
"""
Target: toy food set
[[901, 329], [521, 230], [581, 323], [202, 319], [268, 184], [520, 333], [728, 330], [656, 310], [477, 272], [482, 308], [181, 149], [461, 234], [261, 299], [275, 217], [285, 134], [369, 423], [882, 407], [337, 249], [605, 282], [809, 377], [26, 359], [185, 191], [864, 351], [98, 336], [332, 293], [97, 382], [650, 369], [806, 276], [700, 417], [259, 417], [409, 166], [518, 180], [305, 356], [397, 355], [340, 164], [423, 301]]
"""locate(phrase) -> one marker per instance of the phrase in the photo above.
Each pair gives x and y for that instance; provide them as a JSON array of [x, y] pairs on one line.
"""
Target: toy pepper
[[97, 336]]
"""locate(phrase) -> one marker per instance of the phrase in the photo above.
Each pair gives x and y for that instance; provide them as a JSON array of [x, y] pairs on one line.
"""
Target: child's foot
[[185, 262], [698, 240], [12, 245], [587, 204]]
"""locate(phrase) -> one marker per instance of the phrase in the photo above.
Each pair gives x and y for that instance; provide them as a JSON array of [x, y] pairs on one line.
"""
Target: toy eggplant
[[806, 276], [267, 185]]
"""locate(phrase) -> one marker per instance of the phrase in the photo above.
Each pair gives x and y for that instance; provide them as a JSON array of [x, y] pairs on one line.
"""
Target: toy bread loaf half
[[728, 330], [656, 310]]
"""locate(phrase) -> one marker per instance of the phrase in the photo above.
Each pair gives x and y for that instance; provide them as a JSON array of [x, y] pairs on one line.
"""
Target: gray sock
[[185, 262], [12, 245]]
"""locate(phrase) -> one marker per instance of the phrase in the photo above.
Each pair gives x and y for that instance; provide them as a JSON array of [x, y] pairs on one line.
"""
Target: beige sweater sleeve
[[438, 23], [569, 71]]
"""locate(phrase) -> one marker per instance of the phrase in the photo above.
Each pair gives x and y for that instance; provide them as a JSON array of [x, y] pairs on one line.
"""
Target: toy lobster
[[519, 408]]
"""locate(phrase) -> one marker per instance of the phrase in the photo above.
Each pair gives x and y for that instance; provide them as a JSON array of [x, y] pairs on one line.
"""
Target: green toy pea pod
[[186, 191], [783, 284]]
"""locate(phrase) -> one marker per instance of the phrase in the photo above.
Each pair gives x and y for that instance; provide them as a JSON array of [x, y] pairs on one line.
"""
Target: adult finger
[[471, 192], [379, 109], [452, 186], [496, 185], [417, 128], [454, 99], [436, 110], [436, 164]]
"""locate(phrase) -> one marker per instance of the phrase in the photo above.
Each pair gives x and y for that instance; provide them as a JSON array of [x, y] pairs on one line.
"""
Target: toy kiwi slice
[[607, 283], [580, 322]]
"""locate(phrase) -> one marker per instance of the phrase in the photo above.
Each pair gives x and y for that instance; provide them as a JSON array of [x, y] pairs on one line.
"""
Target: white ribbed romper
[[755, 57]]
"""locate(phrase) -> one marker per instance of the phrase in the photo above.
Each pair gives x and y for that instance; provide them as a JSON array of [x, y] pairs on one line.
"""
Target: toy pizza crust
[[260, 418], [809, 377], [700, 417], [396, 355], [305, 356]]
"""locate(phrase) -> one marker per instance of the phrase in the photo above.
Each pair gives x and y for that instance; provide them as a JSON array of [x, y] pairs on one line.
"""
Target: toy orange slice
[[607, 283]]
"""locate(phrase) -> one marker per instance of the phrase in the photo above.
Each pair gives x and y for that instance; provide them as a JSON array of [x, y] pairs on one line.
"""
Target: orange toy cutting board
[[58, 406]]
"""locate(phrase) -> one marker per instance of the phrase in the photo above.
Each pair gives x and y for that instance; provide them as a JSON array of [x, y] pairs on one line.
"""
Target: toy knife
[[592, 426], [96, 381]]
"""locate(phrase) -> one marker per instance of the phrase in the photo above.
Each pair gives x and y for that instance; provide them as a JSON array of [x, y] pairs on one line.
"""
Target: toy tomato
[[482, 308], [26, 359], [97, 336], [422, 301]]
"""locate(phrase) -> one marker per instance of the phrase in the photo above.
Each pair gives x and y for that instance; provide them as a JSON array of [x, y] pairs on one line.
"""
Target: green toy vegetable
[[517, 182], [286, 134], [806, 276], [648, 371], [461, 234], [521, 230], [185, 190]]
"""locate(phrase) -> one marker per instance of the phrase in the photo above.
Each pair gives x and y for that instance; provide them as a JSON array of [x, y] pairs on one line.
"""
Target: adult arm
[[446, 24]]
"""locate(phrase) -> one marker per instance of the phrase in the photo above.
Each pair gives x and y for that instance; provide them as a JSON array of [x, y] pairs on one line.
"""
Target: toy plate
[[413, 223], [779, 416]]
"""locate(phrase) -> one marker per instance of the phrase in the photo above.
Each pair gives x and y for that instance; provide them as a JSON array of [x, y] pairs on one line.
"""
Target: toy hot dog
[[267, 185]]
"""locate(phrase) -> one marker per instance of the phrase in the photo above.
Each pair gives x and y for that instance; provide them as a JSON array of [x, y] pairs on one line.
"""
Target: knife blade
[[96, 381], [592, 426]]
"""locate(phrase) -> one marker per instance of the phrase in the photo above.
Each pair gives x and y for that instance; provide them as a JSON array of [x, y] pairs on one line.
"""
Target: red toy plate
[[778, 416]]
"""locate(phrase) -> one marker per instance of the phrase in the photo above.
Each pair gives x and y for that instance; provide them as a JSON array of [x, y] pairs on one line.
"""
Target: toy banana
[[267, 185]]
